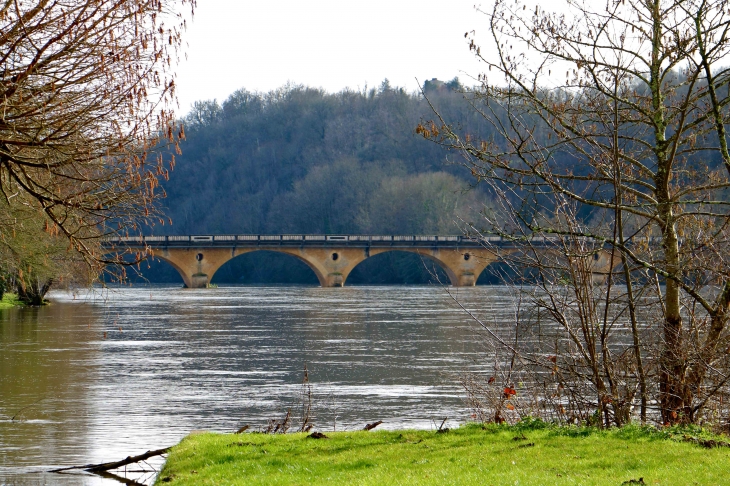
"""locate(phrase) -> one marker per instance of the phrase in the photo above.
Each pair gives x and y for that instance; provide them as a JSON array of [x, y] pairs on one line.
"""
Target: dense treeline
[[301, 160]]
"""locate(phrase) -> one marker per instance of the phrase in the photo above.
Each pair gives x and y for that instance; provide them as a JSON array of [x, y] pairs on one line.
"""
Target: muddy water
[[97, 376]]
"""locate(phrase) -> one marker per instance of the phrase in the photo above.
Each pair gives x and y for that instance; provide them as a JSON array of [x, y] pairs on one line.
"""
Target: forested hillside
[[300, 160]]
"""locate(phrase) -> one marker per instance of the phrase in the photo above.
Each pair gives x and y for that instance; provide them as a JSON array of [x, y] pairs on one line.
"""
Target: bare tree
[[612, 142], [85, 97]]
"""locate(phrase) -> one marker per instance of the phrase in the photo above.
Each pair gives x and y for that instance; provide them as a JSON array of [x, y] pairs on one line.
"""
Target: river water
[[101, 375]]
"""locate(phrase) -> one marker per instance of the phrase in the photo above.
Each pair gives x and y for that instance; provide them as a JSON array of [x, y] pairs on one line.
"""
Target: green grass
[[9, 300], [470, 455]]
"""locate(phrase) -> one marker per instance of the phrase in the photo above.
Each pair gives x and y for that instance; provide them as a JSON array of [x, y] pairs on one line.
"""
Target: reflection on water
[[97, 377]]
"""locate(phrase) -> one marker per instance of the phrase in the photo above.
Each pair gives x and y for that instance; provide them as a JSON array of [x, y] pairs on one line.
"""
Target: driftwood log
[[108, 466], [373, 425]]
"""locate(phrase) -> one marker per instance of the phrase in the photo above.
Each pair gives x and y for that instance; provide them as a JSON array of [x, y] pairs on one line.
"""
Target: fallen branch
[[12, 419], [107, 466], [119, 479], [373, 425]]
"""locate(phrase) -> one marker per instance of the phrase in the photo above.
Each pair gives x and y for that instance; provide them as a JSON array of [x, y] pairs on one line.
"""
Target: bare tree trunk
[[675, 396], [33, 291]]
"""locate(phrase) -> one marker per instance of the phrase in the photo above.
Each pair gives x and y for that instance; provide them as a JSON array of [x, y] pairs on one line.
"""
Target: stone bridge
[[331, 257]]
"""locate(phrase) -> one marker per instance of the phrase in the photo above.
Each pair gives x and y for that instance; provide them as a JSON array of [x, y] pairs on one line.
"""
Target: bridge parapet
[[323, 240]]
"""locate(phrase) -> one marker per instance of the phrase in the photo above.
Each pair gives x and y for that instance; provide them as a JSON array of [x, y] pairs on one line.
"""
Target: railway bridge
[[331, 257]]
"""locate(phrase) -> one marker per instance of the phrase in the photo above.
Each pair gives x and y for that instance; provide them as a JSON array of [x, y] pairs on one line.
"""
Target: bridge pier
[[197, 266], [601, 266], [331, 265]]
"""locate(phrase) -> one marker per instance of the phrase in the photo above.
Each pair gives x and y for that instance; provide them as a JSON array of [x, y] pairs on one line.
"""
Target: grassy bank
[[9, 300], [470, 455]]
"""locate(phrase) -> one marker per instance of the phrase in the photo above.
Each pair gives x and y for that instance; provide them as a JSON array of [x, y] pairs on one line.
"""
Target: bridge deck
[[333, 257], [231, 241]]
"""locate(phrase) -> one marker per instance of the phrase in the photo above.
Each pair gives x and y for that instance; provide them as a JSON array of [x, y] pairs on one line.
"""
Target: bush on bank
[[9, 300], [528, 453]]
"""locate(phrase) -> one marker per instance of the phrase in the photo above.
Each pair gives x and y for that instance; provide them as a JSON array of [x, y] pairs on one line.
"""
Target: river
[[97, 376]]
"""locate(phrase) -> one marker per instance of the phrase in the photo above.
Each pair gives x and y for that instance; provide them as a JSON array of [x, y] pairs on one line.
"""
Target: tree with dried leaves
[[611, 138], [31, 260], [85, 99]]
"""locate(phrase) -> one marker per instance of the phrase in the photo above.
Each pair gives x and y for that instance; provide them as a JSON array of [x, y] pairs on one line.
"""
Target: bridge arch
[[462, 266], [398, 267], [390, 262], [266, 266]]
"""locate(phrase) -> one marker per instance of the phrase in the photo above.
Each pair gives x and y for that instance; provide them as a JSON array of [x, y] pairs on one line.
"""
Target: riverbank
[[474, 454], [9, 301]]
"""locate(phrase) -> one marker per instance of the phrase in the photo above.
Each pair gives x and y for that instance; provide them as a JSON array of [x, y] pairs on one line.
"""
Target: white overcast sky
[[333, 44]]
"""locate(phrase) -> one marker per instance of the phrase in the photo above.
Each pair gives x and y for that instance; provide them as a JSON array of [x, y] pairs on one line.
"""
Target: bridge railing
[[249, 239]]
